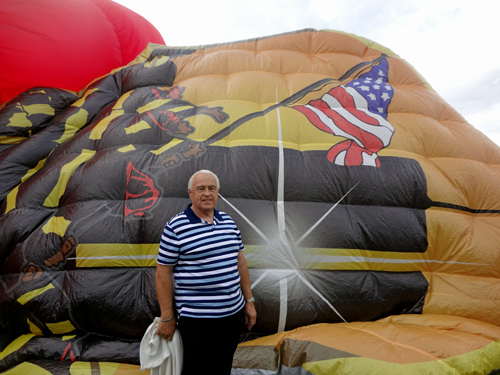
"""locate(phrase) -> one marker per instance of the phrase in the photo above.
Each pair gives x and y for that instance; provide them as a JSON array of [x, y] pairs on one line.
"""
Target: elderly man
[[201, 248]]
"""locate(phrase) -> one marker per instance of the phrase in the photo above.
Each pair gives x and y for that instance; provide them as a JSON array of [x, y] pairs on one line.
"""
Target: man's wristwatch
[[250, 300]]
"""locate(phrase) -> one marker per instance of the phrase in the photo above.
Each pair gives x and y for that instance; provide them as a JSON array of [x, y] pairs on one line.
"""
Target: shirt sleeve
[[240, 242], [169, 247]]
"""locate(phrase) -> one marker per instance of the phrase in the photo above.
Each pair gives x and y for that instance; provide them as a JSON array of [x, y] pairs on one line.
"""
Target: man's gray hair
[[190, 182]]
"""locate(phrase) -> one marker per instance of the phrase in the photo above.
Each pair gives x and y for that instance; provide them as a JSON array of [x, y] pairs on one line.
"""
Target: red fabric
[[65, 43], [66, 351]]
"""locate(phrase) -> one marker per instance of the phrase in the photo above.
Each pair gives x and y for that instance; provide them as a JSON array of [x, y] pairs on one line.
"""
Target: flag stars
[[385, 96], [375, 89]]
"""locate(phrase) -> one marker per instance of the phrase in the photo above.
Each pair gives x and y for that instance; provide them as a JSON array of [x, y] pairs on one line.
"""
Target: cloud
[[474, 96]]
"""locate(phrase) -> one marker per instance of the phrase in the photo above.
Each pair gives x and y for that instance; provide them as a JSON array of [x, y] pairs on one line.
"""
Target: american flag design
[[358, 112]]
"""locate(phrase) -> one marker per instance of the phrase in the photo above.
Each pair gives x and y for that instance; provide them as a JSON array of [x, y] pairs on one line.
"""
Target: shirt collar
[[193, 218]]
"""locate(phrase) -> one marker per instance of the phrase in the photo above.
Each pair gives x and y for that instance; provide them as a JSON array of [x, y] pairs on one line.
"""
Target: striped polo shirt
[[205, 256]]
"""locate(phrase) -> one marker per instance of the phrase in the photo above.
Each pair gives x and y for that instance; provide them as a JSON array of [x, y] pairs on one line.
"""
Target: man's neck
[[207, 215]]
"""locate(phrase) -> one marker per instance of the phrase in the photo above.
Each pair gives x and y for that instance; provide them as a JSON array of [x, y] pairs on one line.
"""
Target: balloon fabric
[[368, 209]]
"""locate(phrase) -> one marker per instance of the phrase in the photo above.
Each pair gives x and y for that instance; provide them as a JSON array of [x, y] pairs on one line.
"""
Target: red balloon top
[[66, 43]]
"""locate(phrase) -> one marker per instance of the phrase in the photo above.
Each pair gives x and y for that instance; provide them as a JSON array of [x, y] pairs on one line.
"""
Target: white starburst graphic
[[280, 248]]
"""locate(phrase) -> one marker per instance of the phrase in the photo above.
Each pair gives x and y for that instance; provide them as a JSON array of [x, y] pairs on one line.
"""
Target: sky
[[453, 44]]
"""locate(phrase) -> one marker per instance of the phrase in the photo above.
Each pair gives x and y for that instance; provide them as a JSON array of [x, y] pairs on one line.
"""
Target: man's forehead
[[205, 179]]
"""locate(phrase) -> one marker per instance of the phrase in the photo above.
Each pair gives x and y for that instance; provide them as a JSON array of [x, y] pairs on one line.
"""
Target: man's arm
[[250, 312], [165, 299]]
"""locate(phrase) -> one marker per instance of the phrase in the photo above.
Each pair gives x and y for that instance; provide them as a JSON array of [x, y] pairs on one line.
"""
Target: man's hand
[[250, 315], [166, 330]]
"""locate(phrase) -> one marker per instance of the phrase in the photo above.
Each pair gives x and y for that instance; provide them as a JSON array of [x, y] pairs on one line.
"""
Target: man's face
[[204, 193]]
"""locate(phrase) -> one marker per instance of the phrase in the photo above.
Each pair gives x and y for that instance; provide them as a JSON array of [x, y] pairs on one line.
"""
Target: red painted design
[[169, 118], [141, 193], [66, 351]]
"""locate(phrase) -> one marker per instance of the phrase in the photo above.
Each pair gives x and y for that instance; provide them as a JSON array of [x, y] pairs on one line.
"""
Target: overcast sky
[[453, 44]]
